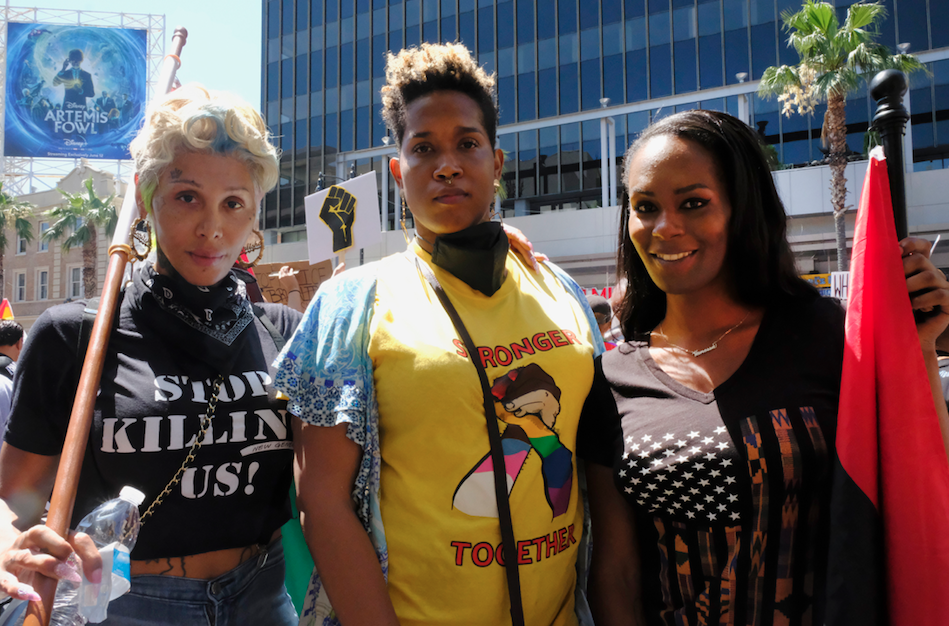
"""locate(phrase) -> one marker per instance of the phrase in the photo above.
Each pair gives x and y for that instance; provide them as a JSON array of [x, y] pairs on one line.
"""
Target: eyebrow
[[458, 129], [185, 181], [685, 189]]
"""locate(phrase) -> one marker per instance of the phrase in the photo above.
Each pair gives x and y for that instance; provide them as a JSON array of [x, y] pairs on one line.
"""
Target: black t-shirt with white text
[[155, 388]]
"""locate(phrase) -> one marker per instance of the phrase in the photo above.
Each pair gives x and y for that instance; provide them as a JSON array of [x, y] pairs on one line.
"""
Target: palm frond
[[860, 15], [776, 79], [79, 214]]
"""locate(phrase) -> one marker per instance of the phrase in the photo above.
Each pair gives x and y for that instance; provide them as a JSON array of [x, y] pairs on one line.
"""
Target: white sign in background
[[367, 227], [840, 285]]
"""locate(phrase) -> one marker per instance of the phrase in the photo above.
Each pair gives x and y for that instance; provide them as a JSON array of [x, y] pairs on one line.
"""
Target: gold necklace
[[703, 350]]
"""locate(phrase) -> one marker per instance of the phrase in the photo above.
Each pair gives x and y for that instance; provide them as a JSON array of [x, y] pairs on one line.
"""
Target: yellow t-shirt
[[437, 496]]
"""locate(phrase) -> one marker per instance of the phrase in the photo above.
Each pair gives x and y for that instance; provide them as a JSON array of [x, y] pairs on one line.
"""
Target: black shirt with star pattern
[[729, 488]]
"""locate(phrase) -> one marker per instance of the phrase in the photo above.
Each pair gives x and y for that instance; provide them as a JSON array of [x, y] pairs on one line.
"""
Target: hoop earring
[[141, 234], [254, 247]]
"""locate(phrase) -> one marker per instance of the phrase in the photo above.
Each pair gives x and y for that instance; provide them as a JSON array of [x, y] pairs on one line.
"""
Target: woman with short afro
[[395, 480]]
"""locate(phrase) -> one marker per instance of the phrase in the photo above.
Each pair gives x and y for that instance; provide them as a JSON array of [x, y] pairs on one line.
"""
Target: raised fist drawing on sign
[[339, 213]]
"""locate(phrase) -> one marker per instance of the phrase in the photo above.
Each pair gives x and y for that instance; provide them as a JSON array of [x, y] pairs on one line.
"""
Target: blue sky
[[223, 49]]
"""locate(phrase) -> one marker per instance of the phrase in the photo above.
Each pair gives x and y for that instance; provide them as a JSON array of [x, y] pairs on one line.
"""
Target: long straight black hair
[[758, 259]]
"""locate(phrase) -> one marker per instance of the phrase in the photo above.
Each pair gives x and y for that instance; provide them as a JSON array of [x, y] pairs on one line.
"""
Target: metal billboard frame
[[22, 175]]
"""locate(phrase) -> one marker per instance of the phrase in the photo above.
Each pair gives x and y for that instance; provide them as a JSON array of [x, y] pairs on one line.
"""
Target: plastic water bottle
[[113, 527]]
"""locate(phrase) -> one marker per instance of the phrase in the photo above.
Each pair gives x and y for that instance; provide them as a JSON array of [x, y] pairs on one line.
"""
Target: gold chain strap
[[198, 440]]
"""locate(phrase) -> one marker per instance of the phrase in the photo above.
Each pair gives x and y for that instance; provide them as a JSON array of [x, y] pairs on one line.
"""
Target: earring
[[494, 213], [249, 249], [141, 234], [405, 233]]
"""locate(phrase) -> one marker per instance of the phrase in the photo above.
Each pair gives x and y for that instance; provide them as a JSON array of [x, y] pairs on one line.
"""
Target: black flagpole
[[888, 88]]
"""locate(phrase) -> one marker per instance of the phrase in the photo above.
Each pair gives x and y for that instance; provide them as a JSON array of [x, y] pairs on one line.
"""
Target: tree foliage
[[78, 218]]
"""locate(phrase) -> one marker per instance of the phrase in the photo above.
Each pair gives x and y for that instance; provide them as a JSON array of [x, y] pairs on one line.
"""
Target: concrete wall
[[584, 242]]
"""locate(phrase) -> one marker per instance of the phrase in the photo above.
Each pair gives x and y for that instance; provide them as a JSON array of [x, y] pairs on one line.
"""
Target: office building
[[574, 77]]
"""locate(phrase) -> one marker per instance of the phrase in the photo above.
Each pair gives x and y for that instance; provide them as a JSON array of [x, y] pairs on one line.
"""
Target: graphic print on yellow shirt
[[530, 402], [437, 499]]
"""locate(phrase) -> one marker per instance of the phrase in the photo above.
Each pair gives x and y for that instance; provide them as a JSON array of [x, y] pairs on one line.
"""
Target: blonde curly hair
[[193, 119], [416, 72]]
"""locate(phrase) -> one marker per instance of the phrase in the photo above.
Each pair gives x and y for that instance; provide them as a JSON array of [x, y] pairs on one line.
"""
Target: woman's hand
[[288, 278], [523, 247], [26, 480], [928, 290], [39, 549]]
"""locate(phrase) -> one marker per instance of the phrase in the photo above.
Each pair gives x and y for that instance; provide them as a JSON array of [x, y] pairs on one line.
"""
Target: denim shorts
[[251, 593]]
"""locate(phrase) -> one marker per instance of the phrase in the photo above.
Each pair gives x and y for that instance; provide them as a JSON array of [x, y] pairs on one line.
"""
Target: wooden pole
[[80, 420]]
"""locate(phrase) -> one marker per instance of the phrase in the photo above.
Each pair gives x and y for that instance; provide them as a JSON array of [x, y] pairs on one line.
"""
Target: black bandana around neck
[[221, 311], [475, 255]]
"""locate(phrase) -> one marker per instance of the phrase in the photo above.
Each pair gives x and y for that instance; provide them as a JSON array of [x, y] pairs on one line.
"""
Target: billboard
[[73, 91]]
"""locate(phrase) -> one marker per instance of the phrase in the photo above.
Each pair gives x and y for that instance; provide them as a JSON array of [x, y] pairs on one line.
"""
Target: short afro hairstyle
[[416, 72]]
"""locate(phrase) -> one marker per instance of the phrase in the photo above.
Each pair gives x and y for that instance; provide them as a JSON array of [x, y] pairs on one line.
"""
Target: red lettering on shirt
[[487, 356], [539, 541], [571, 337], [520, 349], [558, 339], [483, 553], [551, 542], [460, 547], [541, 342], [503, 355], [483, 547], [461, 348]]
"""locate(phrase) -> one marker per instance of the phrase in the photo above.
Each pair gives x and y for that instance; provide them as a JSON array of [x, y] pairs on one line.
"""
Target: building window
[[20, 245], [44, 245], [75, 282], [20, 282], [42, 285]]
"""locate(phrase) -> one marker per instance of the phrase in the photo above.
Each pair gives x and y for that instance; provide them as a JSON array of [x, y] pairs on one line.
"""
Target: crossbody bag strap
[[497, 453], [278, 339]]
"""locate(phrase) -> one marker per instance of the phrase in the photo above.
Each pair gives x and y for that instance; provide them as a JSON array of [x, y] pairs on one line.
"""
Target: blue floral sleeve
[[325, 369], [571, 285], [326, 373]]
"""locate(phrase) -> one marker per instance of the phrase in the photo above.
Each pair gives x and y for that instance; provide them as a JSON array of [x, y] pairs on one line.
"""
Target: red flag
[[6, 311], [253, 289], [888, 443]]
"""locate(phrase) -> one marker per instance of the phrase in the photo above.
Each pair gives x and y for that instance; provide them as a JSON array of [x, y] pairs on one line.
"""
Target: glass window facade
[[324, 65]]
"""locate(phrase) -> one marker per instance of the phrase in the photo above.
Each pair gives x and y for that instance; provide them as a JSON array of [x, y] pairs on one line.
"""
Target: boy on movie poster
[[73, 91]]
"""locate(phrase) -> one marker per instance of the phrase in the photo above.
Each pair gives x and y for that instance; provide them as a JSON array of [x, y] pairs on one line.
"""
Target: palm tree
[[76, 223], [834, 61], [20, 215]]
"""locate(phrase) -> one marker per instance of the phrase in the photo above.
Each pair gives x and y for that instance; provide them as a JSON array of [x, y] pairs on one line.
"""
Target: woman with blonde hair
[[188, 364], [439, 390]]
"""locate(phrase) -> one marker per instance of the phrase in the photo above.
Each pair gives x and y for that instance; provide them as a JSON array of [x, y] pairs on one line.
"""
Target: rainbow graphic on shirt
[[529, 402]]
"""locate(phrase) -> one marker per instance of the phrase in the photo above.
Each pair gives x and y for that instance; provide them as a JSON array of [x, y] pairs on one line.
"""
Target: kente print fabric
[[729, 488], [377, 351]]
